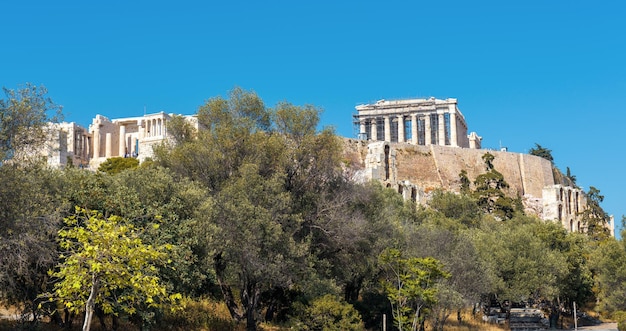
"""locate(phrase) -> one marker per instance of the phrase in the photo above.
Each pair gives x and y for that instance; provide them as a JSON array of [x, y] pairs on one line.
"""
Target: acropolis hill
[[413, 146], [418, 145]]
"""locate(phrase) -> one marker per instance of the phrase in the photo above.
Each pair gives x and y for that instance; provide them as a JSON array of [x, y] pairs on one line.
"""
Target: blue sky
[[524, 72]]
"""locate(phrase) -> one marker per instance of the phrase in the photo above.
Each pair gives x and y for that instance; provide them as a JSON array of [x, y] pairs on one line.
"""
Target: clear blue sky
[[524, 72]]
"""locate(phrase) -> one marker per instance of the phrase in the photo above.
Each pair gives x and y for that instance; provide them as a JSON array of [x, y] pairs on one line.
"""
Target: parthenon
[[415, 121]]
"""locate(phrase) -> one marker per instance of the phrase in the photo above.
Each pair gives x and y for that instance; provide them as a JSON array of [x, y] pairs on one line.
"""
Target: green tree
[[462, 208], [523, 265], [609, 266], [253, 228], [148, 195], [116, 165], [571, 177], [30, 216], [410, 286], [180, 129], [541, 151], [594, 218], [23, 117], [107, 264], [489, 192], [465, 182], [468, 278]]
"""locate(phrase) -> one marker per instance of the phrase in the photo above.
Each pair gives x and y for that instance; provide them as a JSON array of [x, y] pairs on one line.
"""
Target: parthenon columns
[[387, 128], [400, 128], [373, 126], [427, 130], [433, 122], [414, 131], [453, 133]]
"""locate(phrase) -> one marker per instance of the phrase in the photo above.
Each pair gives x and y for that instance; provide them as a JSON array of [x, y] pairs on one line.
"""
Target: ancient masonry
[[105, 138], [413, 146], [419, 145]]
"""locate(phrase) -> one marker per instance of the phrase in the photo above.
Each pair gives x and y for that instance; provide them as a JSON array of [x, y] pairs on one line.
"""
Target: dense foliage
[[255, 211]]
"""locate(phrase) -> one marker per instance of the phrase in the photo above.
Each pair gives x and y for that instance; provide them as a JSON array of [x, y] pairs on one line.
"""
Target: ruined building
[[419, 145], [415, 121], [105, 138]]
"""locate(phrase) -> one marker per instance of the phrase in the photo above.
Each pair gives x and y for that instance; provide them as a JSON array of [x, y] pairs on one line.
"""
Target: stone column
[[83, 146], [362, 128], [442, 130], [427, 130], [400, 128], [374, 128], [107, 147], [387, 128], [453, 133], [96, 143], [414, 132], [122, 150]]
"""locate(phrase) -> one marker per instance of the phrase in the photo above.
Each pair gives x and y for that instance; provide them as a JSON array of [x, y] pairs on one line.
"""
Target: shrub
[[328, 313], [199, 315]]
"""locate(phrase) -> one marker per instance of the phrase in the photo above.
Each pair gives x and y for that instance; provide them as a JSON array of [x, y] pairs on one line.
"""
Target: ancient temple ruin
[[415, 121], [106, 138], [419, 145]]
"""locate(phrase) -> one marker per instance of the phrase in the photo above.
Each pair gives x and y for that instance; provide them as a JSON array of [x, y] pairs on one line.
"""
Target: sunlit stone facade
[[415, 121], [106, 138]]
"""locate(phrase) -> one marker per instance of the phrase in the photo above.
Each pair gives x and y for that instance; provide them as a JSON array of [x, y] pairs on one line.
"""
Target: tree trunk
[[89, 306], [249, 299], [229, 298]]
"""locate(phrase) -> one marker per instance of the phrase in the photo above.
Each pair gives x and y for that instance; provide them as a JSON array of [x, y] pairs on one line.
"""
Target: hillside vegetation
[[251, 223]]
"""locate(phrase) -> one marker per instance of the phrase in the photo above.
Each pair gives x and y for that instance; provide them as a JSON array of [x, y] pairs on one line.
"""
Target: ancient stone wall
[[435, 166]]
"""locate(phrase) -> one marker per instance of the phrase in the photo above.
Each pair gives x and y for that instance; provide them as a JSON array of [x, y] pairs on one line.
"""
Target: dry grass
[[469, 323]]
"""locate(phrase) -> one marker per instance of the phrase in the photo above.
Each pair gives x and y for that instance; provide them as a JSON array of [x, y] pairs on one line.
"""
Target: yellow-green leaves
[[106, 255]]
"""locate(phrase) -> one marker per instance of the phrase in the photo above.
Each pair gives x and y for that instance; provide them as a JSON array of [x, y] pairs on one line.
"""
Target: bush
[[328, 313], [620, 318], [116, 165], [199, 315]]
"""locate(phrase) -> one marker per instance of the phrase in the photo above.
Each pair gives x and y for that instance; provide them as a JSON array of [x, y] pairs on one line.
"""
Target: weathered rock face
[[434, 167], [414, 171]]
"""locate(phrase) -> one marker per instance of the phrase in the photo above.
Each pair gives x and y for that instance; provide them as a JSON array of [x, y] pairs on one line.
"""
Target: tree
[[524, 267], [489, 192], [571, 177], [468, 278], [253, 244], [594, 218], [107, 264], [23, 117], [30, 216], [461, 208], [540, 151], [410, 286], [609, 266]]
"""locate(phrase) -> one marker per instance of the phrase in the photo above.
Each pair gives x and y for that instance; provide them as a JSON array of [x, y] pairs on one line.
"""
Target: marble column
[[442, 130], [374, 129], [427, 130], [387, 128], [453, 133], [400, 128], [107, 146], [122, 138], [96, 143], [414, 132], [362, 128]]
